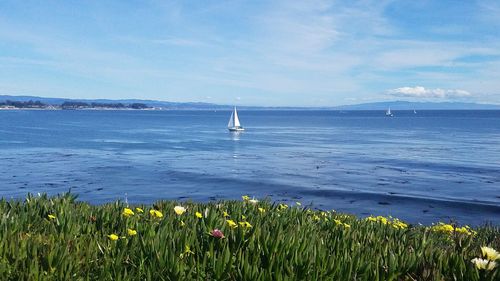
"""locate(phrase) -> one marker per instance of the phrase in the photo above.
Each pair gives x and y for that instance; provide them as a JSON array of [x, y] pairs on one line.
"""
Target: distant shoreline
[[41, 102], [96, 109]]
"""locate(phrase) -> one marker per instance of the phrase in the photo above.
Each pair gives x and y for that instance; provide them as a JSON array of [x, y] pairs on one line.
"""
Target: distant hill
[[406, 105], [394, 105]]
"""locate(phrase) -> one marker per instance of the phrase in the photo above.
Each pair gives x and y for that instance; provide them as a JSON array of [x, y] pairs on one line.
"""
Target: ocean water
[[425, 167]]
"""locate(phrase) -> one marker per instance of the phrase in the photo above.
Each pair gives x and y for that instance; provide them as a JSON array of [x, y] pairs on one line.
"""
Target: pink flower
[[217, 233]]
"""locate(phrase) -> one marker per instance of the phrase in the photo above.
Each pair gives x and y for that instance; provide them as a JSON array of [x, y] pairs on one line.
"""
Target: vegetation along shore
[[60, 238], [8, 104]]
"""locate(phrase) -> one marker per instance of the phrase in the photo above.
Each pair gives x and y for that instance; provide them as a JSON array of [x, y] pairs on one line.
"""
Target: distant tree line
[[78, 104], [138, 105], [71, 105], [23, 104]]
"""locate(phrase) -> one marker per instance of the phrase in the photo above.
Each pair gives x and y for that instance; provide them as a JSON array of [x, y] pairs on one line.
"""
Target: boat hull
[[236, 129]]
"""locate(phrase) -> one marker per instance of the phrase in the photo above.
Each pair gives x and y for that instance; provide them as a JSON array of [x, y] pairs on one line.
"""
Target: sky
[[268, 53]]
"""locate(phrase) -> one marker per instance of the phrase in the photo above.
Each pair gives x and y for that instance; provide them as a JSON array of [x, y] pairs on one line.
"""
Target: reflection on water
[[236, 135]]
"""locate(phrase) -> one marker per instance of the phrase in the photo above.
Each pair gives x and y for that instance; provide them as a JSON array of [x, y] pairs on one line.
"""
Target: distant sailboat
[[389, 113], [414, 111], [234, 122]]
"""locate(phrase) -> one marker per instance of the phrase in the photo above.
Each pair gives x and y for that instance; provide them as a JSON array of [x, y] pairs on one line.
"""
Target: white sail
[[231, 121], [388, 111], [236, 119]]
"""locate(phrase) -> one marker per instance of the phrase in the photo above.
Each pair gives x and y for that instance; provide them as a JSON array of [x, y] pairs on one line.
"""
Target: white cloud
[[421, 92]]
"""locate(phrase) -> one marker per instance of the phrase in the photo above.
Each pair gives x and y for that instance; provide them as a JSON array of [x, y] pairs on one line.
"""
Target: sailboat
[[389, 113], [234, 122], [414, 111]]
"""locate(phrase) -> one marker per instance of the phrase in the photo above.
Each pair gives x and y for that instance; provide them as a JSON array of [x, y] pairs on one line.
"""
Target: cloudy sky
[[294, 53]]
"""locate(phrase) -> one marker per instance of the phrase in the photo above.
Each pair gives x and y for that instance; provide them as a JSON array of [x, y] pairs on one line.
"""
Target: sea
[[428, 167]]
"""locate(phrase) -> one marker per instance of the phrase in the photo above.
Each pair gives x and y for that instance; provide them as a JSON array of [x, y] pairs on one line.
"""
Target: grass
[[59, 238]]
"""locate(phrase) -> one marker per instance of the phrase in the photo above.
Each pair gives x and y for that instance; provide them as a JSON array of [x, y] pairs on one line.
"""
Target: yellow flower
[[179, 210], [225, 214], [187, 252], [231, 223], [399, 224], [245, 224], [394, 222], [113, 237], [139, 210], [198, 215], [155, 213], [347, 225], [316, 218], [51, 217], [490, 253], [382, 219], [127, 212], [283, 206], [245, 197], [131, 232], [262, 210], [465, 230], [442, 227], [484, 264], [182, 223], [243, 217], [448, 228]]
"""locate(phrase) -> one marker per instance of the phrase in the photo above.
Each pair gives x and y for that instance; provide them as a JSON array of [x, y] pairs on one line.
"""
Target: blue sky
[[291, 53]]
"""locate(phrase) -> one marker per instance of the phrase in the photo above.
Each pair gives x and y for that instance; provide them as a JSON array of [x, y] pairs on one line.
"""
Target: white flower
[[490, 253], [179, 210], [253, 201], [484, 264]]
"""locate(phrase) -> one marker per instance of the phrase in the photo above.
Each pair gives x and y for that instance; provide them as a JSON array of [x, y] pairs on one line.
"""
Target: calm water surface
[[424, 167]]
